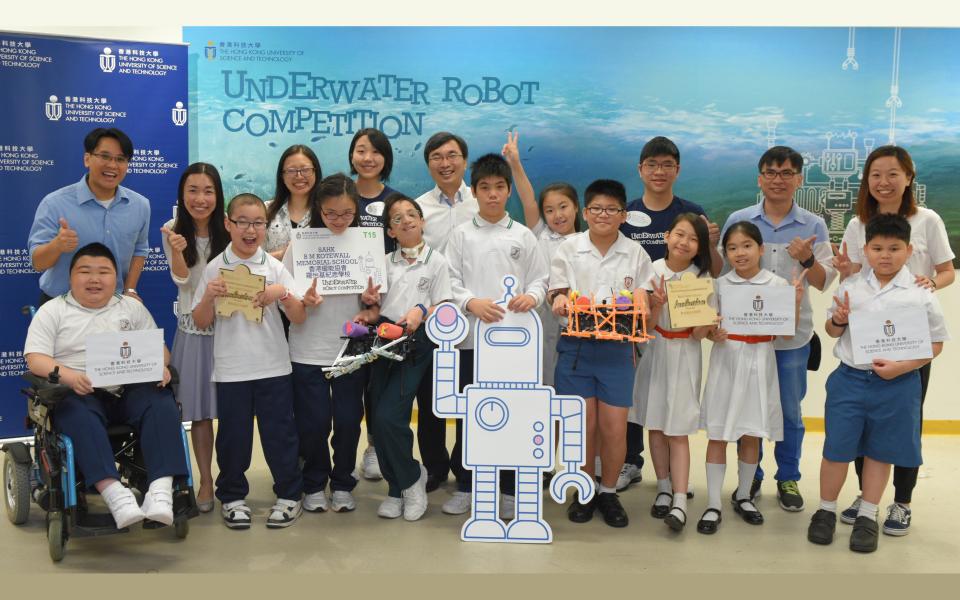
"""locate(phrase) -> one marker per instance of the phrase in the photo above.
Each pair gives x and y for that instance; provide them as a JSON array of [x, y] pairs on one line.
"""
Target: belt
[[750, 339], [674, 335]]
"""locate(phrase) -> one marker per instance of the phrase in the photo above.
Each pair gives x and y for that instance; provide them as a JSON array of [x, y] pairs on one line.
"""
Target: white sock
[[607, 490], [715, 474], [828, 506], [867, 510], [680, 501], [745, 473], [162, 484], [664, 485]]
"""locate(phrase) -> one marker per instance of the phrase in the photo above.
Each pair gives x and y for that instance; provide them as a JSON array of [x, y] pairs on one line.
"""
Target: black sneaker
[[865, 534], [822, 527], [788, 494], [581, 513], [613, 514], [755, 489]]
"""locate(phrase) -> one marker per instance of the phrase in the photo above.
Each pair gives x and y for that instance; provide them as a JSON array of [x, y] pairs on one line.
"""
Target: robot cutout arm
[[570, 410], [446, 327]]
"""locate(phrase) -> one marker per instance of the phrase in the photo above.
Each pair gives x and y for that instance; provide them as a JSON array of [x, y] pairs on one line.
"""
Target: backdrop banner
[[58, 89]]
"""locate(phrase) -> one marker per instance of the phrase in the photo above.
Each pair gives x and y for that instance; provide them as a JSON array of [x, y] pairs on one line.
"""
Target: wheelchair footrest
[[96, 524]]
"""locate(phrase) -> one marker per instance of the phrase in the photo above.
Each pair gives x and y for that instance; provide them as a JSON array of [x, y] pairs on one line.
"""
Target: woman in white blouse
[[298, 172]]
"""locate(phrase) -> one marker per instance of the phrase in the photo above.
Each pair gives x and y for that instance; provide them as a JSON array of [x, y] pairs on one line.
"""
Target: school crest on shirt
[[628, 283], [515, 252], [424, 284], [889, 328], [758, 303], [125, 325]]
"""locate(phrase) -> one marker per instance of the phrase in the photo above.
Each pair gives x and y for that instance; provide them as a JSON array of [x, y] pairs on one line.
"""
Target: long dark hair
[[702, 259], [334, 186], [184, 225], [281, 194]]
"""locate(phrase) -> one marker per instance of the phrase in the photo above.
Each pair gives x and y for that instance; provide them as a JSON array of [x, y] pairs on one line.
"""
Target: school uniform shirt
[[244, 350], [900, 292], [442, 215], [317, 340], [548, 241], [649, 227], [278, 231], [187, 286], [928, 236], [742, 394], [481, 253], [579, 266], [61, 326], [799, 223], [425, 281], [666, 393]]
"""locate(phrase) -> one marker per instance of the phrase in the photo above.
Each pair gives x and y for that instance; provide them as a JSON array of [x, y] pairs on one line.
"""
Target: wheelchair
[[49, 477]]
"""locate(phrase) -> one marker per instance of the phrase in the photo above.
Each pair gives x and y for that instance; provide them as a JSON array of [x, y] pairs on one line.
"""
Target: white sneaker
[[390, 508], [458, 503], [236, 514], [371, 466], [415, 498], [508, 507], [342, 501], [123, 505], [284, 513], [315, 502], [158, 501], [629, 474]]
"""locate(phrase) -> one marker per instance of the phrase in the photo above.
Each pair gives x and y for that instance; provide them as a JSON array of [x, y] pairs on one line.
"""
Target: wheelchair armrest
[[174, 375], [44, 391]]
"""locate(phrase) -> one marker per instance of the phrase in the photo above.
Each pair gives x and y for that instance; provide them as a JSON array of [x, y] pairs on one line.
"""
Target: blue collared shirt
[[124, 227]]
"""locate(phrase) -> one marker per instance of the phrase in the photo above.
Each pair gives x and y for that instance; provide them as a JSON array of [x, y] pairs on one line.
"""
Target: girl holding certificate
[[741, 400]]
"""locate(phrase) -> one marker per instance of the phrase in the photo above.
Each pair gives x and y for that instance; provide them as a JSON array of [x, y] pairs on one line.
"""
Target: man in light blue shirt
[[794, 239], [95, 209]]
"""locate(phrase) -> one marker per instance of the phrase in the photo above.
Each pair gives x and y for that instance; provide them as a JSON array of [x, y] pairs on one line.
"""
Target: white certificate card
[[758, 309], [342, 263], [119, 358], [900, 334]]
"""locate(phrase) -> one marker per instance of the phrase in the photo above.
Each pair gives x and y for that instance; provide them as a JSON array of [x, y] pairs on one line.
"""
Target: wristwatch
[[286, 294], [424, 309], [131, 291], [806, 264]]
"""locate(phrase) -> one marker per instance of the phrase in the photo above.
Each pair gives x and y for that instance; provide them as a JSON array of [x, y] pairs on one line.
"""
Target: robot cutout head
[[509, 350]]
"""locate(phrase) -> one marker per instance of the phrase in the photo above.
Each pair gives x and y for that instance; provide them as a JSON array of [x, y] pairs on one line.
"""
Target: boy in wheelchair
[[56, 339]]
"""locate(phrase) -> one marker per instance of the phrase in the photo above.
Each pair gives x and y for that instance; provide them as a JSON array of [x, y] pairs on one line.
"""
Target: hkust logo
[[889, 328], [758, 303], [108, 61], [179, 115], [125, 350], [210, 51], [53, 109]]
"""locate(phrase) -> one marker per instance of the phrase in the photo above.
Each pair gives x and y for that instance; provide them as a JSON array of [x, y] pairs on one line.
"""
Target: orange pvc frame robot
[[620, 320]]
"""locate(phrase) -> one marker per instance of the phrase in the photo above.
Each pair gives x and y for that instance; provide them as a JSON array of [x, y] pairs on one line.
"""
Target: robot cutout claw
[[508, 417]]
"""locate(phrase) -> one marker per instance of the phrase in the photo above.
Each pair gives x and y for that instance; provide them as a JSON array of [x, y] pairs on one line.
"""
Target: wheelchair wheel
[[182, 527], [16, 489], [56, 537]]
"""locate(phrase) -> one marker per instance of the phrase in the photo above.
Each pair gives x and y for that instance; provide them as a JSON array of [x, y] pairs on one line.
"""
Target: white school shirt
[[317, 340], [187, 286], [244, 350], [928, 236], [579, 266], [61, 326], [481, 253], [441, 218], [900, 292], [425, 281]]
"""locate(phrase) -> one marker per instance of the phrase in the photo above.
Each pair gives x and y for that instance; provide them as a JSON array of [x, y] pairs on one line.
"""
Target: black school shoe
[[581, 513], [866, 533], [434, 482], [613, 514], [822, 527], [676, 518], [750, 516], [707, 526], [659, 511]]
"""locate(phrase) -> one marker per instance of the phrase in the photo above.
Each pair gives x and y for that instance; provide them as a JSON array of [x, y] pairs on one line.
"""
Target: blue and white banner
[[56, 90]]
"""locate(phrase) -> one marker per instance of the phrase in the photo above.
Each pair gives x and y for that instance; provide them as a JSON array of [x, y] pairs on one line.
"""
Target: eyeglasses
[[770, 174], [604, 210], [439, 158], [109, 158], [397, 219], [301, 172], [244, 225], [652, 166], [347, 214]]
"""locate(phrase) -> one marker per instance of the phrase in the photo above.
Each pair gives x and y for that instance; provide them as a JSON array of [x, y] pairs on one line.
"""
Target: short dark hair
[[490, 165], [660, 146], [440, 138], [382, 145], [889, 226], [94, 249], [282, 193], [93, 138], [867, 204], [245, 199], [746, 228], [605, 187], [334, 186], [393, 199], [703, 259], [778, 155]]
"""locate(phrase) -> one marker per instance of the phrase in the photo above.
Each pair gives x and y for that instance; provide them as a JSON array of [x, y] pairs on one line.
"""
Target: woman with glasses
[[298, 172]]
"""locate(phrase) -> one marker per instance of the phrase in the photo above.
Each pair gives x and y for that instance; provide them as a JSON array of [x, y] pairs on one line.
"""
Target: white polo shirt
[[928, 236], [244, 350], [61, 326], [317, 341], [900, 292], [441, 218], [425, 281], [579, 266], [481, 253]]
